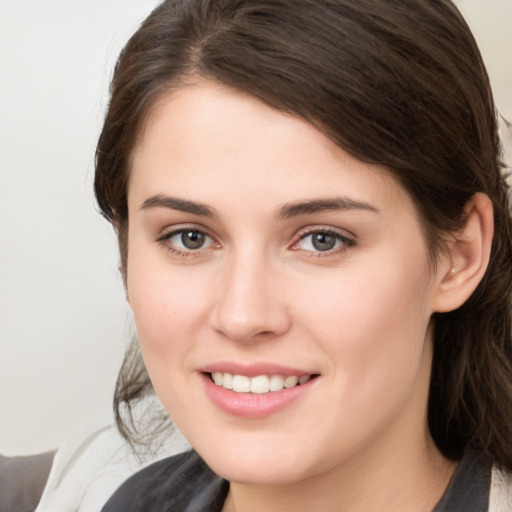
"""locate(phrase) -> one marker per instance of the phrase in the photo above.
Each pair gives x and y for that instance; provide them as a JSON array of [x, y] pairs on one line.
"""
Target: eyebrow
[[285, 212], [317, 205], [182, 205]]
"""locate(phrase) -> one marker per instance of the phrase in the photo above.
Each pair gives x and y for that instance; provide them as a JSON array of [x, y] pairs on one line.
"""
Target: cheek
[[162, 312], [169, 312], [373, 322], [167, 302]]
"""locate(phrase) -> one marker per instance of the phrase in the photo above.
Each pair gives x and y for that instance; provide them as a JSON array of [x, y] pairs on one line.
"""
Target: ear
[[463, 264]]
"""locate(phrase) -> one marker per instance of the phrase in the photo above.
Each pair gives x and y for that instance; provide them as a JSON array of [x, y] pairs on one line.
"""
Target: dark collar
[[468, 490]]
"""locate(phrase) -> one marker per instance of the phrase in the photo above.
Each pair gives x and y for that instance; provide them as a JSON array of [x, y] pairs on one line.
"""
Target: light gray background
[[63, 318]]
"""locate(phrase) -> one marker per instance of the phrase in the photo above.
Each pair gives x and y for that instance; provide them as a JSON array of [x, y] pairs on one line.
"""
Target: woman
[[316, 240]]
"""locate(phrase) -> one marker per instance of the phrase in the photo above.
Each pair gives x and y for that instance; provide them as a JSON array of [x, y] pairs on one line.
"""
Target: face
[[281, 290]]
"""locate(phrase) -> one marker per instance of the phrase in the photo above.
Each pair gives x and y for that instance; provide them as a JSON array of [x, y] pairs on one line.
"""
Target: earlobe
[[467, 257]]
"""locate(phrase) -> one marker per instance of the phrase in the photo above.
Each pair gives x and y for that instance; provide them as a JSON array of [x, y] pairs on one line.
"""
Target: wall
[[63, 318]]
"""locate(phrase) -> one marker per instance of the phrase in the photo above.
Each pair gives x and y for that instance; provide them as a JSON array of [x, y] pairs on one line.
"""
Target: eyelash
[[345, 241], [166, 237]]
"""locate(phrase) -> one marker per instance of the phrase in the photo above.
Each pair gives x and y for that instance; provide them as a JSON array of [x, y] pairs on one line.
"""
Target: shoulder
[[182, 482], [500, 499]]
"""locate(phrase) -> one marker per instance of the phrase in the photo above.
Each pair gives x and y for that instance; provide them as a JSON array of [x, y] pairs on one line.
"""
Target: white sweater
[[500, 499]]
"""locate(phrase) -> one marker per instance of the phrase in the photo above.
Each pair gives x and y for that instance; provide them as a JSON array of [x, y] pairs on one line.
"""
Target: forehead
[[206, 139]]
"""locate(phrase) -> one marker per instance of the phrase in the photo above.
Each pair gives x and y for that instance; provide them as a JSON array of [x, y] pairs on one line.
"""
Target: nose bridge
[[249, 304]]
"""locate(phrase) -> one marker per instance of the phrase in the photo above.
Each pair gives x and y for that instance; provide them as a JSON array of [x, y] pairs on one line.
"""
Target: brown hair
[[399, 83]]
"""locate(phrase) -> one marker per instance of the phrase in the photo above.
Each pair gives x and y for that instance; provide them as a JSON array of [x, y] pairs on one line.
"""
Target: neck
[[402, 480]]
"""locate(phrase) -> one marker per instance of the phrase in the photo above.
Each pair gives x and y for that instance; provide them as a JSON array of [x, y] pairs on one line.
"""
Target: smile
[[257, 394], [259, 384]]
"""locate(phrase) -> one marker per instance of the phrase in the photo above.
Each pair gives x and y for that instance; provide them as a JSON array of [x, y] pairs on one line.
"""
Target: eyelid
[[167, 233], [348, 239]]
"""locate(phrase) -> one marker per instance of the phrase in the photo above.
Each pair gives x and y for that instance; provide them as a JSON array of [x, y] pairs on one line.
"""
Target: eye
[[322, 241], [187, 240]]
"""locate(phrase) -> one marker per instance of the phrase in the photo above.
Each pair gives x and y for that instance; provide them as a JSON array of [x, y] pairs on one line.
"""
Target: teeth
[[258, 385], [241, 384], [304, 378], [290, 382], [276, 383], [227, 381]]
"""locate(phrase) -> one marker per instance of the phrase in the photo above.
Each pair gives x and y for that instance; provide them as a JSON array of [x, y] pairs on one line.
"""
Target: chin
[[259, 468], [261, 474]]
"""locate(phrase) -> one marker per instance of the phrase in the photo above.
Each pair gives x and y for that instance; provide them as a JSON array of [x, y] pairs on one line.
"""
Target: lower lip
[[252, 405]]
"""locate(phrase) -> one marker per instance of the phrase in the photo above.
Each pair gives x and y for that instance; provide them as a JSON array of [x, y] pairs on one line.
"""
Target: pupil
[[323, 241], [192, 239]]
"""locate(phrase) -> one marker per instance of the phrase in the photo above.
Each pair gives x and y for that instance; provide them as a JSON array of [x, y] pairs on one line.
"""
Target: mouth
[[260, 384], [257, 390]]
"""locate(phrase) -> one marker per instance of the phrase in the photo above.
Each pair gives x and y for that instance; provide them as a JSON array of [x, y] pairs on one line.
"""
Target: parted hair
[[400, 83]]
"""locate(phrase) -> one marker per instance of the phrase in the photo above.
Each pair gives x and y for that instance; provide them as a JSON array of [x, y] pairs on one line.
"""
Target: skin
[[258, 291]]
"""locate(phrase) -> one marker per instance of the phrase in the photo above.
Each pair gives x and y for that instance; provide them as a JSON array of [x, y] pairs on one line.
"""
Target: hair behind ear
[[471, 385]]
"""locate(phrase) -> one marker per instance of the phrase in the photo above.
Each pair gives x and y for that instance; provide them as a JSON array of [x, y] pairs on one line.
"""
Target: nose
[[250, 305]]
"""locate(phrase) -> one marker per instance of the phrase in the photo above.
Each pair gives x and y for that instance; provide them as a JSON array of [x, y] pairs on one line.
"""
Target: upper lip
[[254, 369]]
